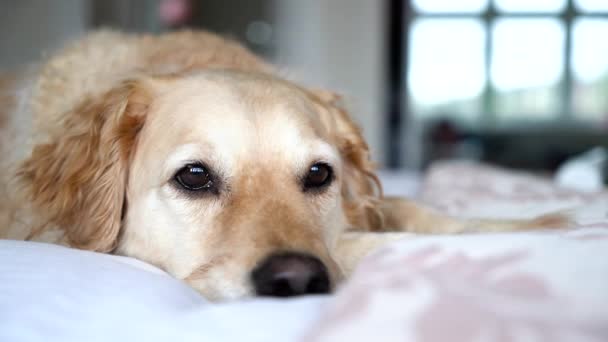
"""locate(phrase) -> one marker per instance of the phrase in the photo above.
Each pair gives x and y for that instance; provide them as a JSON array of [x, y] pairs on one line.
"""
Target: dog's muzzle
[[289, 274]]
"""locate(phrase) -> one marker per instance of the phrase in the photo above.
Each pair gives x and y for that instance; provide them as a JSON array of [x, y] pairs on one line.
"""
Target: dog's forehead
[[260, 103], [240, 115]]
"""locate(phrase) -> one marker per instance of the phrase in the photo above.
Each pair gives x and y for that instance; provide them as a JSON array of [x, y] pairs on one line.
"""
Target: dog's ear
[[361, 188], [78, 179]]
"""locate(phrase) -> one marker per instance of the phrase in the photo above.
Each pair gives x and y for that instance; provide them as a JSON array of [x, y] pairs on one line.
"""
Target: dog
[[188, 152]]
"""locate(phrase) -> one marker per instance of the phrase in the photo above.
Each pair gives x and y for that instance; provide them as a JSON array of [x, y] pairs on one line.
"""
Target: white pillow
[[53, 293]]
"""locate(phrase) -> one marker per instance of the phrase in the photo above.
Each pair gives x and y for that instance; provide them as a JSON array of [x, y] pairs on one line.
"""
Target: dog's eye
[[194, 177], [319, 176]]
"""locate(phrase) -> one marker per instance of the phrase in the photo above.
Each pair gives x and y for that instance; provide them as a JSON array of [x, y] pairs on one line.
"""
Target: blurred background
[[519, 83]]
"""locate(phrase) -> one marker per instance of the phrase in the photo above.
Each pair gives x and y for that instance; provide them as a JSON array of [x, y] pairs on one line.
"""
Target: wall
[[31, 28]]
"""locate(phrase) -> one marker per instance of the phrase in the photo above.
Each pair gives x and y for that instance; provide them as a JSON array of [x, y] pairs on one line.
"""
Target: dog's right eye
[[319, 176], [194, 177]]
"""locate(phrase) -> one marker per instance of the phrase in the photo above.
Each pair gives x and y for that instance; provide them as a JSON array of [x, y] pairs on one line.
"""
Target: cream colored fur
[[92, 137]]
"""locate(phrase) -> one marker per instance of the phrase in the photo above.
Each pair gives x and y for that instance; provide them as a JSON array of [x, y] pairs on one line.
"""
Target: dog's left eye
[[194, 177], [319, 176]]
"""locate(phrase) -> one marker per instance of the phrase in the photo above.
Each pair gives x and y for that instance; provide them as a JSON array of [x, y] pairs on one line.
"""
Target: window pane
[[530, 5], [459, 6], [592, 5], [590, 68], [446, 71], [527, 65]]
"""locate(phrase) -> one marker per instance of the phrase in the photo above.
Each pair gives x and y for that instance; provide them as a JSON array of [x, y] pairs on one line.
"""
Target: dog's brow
[[186, 153], [323, 152]]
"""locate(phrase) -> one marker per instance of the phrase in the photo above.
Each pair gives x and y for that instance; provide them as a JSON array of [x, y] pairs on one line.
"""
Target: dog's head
[[238, 183]]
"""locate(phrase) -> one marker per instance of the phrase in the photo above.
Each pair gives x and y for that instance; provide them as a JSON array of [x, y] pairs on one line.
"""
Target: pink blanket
[[533, 286]]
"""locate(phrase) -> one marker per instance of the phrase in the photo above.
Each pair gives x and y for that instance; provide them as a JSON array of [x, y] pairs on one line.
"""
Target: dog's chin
[[218, 293]]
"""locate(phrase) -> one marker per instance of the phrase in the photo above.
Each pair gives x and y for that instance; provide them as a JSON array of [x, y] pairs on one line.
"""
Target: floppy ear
[[78, 180], [361, 188]]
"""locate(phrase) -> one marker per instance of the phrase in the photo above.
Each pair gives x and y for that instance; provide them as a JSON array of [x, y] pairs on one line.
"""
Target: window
[[497, 63]]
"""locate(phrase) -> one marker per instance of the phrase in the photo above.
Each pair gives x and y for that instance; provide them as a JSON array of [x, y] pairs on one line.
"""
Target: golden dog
[[188, 152]]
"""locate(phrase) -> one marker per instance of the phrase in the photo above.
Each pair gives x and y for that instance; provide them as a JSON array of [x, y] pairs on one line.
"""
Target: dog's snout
[[290, 274]]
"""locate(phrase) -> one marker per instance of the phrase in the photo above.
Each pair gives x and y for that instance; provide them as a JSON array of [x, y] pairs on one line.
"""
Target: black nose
[[290, 274]]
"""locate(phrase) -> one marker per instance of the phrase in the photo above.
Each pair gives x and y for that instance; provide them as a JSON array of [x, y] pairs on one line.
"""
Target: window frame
[[567, 16]]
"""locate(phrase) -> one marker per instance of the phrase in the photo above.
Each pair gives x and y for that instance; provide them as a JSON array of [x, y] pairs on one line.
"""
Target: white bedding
[[532, 286], [52, 293]]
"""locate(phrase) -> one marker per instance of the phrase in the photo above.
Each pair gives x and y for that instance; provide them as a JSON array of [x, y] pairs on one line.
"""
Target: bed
[[547, 285]]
